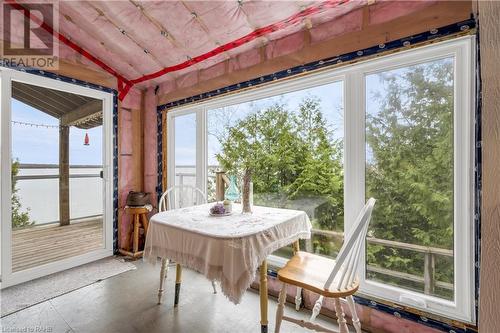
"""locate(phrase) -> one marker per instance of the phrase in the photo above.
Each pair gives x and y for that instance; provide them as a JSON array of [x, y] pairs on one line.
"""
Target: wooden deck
[[38, 245]]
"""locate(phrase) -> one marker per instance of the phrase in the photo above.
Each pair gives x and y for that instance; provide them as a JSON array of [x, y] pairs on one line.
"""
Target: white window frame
[[462, 308], [8, 277], [462, 49]]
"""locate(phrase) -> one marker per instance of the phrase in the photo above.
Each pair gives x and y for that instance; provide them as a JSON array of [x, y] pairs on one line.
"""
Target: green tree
[[321, 172], [19, 218], [292, 154], [410, 164], [264, 142]]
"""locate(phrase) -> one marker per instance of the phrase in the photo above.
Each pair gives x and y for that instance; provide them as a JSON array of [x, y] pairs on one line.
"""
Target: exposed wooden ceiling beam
[[38, 95], [35, 103], [81, 113]]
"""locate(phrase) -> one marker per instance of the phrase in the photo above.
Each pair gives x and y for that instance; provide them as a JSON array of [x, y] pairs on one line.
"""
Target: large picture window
[[397, 128]]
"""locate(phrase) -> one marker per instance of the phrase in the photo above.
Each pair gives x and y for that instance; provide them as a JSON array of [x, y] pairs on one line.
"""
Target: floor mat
[[26, 294]]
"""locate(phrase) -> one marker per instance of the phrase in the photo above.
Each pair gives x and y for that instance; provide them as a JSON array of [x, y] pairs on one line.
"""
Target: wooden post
[[489, 320], [137, 138], [64, 175], [219, 185], [429, 273]]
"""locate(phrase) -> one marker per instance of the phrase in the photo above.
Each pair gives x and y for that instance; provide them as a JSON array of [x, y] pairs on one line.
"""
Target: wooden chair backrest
[[181, 196], [350, 251]]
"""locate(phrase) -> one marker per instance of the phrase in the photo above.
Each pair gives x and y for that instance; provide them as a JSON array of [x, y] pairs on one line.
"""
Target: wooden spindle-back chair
[[327, 277]]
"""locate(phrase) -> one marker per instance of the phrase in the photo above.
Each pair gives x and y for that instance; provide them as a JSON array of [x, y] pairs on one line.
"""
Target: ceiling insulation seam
[[161, 28], [81, 27], [204, 27], [116, 25], [290, 21]]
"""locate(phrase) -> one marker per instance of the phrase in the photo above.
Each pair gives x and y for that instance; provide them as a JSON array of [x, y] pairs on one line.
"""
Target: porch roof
[[71, 109]]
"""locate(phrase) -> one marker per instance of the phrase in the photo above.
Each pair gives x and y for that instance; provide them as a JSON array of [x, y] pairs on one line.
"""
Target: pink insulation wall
[[137, 107], [125, 167], [126, 181]]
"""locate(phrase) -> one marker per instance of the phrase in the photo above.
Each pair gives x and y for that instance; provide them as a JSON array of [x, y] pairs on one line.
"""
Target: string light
[[22, 123], [95, 117]]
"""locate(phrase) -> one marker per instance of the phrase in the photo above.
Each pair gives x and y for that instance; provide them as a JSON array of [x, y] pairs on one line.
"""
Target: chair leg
[[178, 279], [281, 308], [163, 276], [214, 286], [298, 298], [355, 318], [340, 316], [317, 308]]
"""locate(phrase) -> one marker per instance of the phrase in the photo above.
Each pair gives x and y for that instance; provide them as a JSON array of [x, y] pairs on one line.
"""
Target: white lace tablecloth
[[228, 249]]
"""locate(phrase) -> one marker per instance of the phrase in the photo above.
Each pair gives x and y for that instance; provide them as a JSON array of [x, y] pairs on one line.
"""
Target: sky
[[331, 96], [41, 145]]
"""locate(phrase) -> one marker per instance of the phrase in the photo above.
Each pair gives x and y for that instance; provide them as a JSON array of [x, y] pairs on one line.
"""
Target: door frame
[[9, 278]]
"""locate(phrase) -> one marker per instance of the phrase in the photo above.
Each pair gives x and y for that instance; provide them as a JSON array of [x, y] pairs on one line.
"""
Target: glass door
[[58, 180]]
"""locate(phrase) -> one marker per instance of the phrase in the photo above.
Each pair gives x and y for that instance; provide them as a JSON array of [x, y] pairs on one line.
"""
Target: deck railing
[[430, 253], [32, 192], [55, 166]]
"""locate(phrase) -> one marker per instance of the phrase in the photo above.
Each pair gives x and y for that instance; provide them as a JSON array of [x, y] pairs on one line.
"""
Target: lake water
[[41, 196]]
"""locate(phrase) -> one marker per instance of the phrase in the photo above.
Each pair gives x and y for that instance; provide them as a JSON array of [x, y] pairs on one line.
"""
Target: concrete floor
[[127, 303]]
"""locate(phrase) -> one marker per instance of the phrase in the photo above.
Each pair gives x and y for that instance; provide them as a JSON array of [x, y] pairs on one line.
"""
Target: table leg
[[178, 277], [263, 297], [163, 275]]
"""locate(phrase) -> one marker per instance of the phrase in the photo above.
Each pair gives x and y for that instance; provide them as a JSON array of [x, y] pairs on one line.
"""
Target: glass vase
[[232, 193]]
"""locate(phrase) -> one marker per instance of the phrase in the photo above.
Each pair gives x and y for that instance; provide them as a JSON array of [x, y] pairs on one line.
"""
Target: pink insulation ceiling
[[150, 42]]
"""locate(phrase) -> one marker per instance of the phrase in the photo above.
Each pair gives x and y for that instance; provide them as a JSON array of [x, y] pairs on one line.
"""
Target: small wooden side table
[[139, 217]]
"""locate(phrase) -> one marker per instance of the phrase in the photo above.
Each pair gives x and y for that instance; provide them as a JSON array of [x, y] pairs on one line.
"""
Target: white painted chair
[[312, 272], [178, 196]]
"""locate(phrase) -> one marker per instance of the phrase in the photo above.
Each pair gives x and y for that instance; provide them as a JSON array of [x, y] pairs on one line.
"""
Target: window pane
[[185, 149], [294, 143], [409, 170]]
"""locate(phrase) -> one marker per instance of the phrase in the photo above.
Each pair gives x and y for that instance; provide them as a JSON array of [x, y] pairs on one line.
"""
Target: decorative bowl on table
[[219, 210]]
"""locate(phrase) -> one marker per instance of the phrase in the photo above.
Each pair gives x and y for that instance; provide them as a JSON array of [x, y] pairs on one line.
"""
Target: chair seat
[[310, 271]]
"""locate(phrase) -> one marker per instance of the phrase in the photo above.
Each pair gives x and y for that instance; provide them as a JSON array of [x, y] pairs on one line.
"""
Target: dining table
[[228, 249]]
